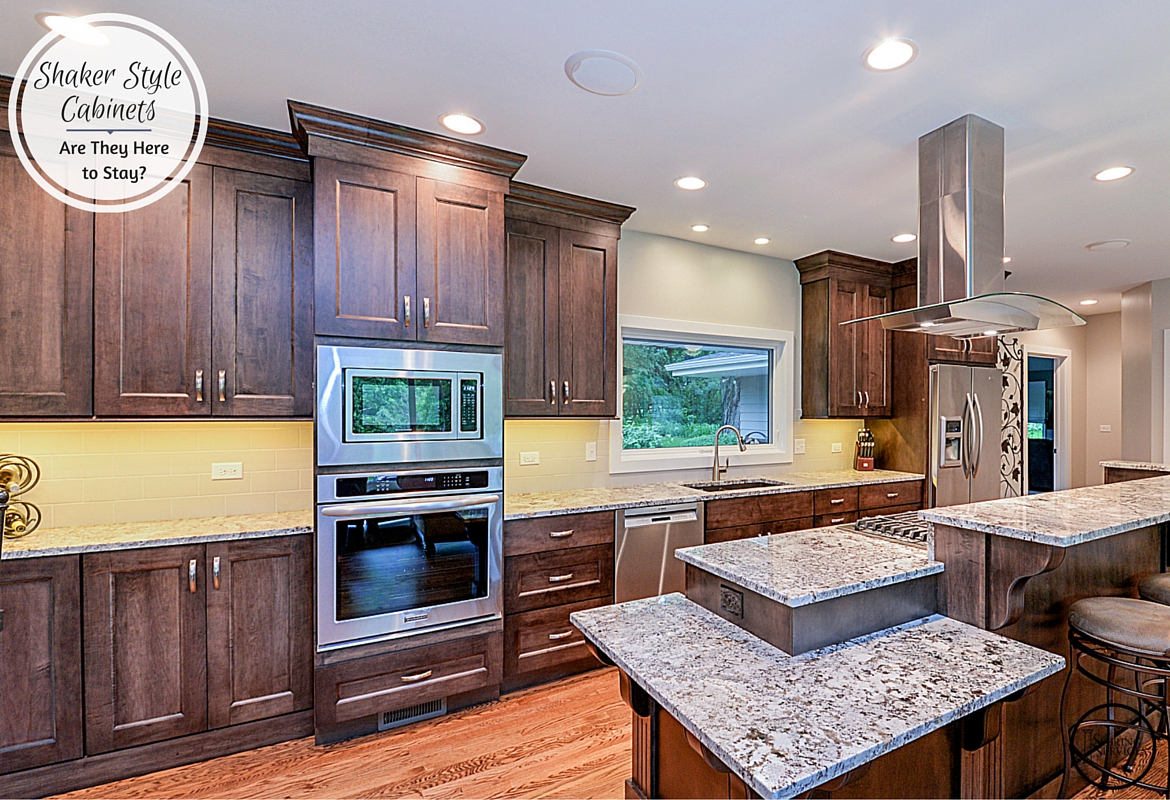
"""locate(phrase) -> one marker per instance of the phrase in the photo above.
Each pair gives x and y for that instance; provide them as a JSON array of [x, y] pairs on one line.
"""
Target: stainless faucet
[[717, 470]]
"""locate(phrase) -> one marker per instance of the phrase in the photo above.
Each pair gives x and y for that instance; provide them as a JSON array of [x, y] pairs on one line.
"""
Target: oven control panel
[[413, 482]]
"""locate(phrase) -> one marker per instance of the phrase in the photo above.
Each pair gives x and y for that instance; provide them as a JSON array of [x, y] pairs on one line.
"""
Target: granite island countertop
[[1066, 518], [159, 533], [579, 501], [798, 569], [786, 724], [1145, 466]]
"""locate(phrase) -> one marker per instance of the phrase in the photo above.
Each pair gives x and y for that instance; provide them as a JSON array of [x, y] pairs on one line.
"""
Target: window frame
[[780, 343]]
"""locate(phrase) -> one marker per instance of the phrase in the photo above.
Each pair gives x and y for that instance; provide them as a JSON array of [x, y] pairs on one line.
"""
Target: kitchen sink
[[732, 486]]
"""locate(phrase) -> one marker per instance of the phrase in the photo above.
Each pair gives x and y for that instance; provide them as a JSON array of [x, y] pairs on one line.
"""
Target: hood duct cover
[[960, 241]]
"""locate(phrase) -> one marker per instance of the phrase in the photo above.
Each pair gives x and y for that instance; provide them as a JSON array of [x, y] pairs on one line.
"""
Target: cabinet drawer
[[367, 686], [738, 511], [883, 495], [825, 520], [834, 501], [540, 580], [557, 533], [880, 512], [538, 640], [762, 529]]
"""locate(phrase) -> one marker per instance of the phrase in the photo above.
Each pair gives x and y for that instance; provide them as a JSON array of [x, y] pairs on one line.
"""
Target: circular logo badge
[[110, 121]]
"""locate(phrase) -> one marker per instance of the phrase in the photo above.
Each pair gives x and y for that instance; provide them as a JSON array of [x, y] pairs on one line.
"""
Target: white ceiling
[[766, 100]]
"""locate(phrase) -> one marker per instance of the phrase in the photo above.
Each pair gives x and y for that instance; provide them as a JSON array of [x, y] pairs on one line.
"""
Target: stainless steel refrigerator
[[965, 412]]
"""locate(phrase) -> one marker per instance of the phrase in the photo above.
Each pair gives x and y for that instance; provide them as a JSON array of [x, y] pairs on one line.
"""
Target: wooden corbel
[[1011, 563]]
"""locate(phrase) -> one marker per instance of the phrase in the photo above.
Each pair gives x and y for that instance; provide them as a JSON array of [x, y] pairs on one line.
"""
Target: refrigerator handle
[[977, 413], [966, 441]]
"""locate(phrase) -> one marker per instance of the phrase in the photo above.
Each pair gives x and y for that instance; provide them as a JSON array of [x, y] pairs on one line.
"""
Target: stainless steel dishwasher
[[646, 538]]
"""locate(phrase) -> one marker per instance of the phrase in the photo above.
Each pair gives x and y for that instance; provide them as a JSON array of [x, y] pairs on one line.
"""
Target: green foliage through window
[[399, 405]]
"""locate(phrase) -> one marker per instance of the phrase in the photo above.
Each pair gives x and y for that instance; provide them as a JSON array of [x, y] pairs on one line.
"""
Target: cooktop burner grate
[[906, 528]]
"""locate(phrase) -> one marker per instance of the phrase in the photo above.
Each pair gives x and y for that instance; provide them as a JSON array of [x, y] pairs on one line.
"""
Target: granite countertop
[[797, 569], [577, 501], [1065, 518], [1148, 466], [160, 533], [786, 724]]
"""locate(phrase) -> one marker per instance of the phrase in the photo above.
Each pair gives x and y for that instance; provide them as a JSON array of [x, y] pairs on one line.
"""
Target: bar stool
[[1115, 744], [1155, 588]]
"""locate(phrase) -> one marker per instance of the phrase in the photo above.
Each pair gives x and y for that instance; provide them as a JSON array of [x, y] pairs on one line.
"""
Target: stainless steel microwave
[[379, 405]]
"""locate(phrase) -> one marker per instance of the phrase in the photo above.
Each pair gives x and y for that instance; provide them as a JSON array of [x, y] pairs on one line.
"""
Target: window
[[681, 381]]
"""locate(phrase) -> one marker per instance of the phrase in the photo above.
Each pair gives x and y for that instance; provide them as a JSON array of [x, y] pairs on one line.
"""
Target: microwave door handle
[[421, 506]]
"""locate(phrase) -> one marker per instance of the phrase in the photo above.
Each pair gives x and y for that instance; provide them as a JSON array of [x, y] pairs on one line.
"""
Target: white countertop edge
[[78, 549], [939, 517], [1148, 466]]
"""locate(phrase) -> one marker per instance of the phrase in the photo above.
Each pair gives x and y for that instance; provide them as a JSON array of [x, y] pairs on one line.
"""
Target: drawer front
[[884, 495], [825, 520], [834, 501], [762, 529], [738, 511], [878, 512], [540, 535], [542, 639], [540, 580], [367, 686]]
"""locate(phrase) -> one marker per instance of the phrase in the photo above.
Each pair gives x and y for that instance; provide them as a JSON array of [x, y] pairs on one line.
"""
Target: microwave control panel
[[468, 405]]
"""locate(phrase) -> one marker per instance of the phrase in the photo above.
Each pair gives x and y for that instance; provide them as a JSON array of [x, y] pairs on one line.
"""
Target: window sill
[[695, 458]]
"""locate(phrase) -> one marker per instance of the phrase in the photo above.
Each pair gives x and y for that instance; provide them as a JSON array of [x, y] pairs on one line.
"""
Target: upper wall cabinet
[[560, 357], [410, 230], [845, 369]]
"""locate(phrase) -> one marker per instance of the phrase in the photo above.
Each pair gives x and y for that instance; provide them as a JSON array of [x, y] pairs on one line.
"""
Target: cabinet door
[[460, 264], [846, 302], [145, 646], [46, 298], [40, 662], [363, 251], [984, 350], [262, 270], [875, 355], [588, 325], [259, 629], [152, 305], [946, 348], [531, 340]]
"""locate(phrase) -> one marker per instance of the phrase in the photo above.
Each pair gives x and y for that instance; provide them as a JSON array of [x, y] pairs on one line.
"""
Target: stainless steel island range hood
[[960, 242]]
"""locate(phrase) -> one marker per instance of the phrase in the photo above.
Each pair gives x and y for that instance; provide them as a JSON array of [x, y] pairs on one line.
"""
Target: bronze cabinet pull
[[426, 312], [867, 397], [406, 311], [836, 501], [560, 578], [836, 520], [191, 576], [198, 386], [892, 495], [563, 635], [560, 534], [215, 572], [552, 393], [565, 393], [222, 385], [417, 677]]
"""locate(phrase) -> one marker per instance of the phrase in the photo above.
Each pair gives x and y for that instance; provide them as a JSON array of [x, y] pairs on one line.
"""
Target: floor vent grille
[[405, 716]]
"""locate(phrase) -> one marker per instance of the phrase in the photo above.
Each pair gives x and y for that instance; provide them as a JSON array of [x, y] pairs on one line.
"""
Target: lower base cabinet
[[543, 644], [40, 662]]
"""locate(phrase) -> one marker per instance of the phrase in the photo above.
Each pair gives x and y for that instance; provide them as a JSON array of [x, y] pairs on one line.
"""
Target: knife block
[[862, 463]]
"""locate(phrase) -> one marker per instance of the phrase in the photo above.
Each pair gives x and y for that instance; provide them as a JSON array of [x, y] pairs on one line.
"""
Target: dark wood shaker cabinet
[[846, 370], [145, 646], [152, 305], [46, 303], [562, 336], [40, 662], [945, 349], [262, 274], [259, 629]]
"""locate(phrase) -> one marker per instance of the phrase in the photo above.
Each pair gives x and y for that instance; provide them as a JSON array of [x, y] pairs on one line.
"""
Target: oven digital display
[[384, 404], [371, 485]]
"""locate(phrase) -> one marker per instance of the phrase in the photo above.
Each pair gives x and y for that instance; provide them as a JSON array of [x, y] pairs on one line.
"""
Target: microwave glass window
[[401, 405], [399, 563]]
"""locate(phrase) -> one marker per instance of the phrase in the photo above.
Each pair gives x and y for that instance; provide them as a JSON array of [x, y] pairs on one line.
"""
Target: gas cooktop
[[906, 528]]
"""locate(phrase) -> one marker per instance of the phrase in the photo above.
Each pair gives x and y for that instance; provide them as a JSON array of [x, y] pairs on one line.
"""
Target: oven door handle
[[366, 509]]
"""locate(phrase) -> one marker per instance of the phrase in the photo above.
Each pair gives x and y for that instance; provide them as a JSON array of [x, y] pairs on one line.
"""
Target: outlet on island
[[228, 471], [530, 458]]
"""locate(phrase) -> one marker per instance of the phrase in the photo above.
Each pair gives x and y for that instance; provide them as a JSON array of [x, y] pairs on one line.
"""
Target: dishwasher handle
[[644, 520]]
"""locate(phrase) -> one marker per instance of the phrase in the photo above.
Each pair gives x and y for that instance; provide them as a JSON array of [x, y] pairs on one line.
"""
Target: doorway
[[1047, 409]]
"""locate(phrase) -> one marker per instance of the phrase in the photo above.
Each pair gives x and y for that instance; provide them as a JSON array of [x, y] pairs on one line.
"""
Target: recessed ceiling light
[[690, 183], [1088, 302], [1007, 259], [763, 240], [461, 123], [699, 228], [889, 54], [903, 238], [603, 72], [72, 28], [1113, 174], [1108, 244]]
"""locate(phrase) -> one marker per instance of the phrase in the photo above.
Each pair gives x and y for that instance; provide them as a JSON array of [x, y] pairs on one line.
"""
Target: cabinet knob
[[406, 311], [198, 386], [223, 385]]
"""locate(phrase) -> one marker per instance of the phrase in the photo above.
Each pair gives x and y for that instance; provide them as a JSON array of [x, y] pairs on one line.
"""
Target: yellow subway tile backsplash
[[102, 472]]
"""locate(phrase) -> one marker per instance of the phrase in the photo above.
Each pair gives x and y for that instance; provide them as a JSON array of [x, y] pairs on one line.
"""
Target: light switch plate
[[1106, 429], [836, 447], [798, 447], [530, 458], [591, 451], [228, 471]]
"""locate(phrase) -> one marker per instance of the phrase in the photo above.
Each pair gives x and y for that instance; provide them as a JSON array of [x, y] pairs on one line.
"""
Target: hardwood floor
[[565, 739]]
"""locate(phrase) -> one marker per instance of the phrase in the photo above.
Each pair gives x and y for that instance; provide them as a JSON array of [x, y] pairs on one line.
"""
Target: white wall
[[1102, 394], [1073, 340], [1145, 316], [674, 279]]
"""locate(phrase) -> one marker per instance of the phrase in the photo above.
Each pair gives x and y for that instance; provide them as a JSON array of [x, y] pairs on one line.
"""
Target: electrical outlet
[[798, 447], [836, 447], [1106, 429], [229, 471], [591, 451], [528, 459]]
